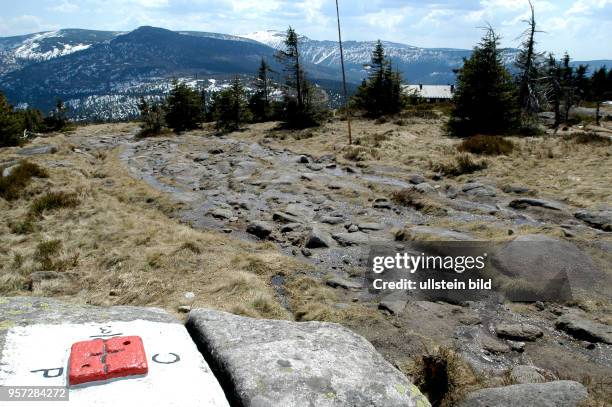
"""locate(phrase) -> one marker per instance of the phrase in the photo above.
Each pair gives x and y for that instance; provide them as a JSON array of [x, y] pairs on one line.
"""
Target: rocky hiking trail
[[326, 212]]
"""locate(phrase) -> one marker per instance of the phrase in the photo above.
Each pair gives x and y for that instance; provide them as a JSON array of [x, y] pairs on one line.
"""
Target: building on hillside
[[431, 93]]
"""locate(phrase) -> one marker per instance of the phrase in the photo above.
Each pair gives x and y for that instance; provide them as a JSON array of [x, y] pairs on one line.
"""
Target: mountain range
[[102, 74]]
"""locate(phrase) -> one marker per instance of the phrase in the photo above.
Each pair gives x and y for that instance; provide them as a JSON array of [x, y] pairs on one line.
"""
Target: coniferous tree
[[381, 93], [600, 88], [568, 86], [554, 78], [259, 103], [57, 119], [184, 108], [302, 105], [11, 124], [152, 116], [529, 74], [485, 98], [230, 108]]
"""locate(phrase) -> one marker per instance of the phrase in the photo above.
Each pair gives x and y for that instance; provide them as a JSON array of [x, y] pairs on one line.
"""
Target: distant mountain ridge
[[102, 74]]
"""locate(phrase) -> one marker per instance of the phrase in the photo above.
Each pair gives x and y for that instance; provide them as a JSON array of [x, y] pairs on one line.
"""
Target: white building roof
[[430, 91]]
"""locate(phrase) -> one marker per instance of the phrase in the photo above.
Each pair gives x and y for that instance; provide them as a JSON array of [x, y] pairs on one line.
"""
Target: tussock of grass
[[487, 145], [589, 138], [462, 164], [53, 200], [408, 197], [12, 185]]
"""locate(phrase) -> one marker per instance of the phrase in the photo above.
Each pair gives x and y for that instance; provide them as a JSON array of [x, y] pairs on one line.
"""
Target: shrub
[[46, 251], [589, 138], [463, 164], [53, 200], [488, 145], [19, 178]]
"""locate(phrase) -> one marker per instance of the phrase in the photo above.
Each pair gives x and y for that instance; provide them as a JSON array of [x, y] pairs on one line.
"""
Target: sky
[[581, 27]]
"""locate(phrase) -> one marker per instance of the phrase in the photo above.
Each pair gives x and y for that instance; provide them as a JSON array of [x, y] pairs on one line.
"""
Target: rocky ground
[[323, 204]]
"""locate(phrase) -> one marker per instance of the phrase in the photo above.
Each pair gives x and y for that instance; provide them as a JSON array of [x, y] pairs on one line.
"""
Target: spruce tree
[[301, 100], [600, 88], [229, 108], [529, 74], [259, 103], [11, 124], [381, 93], [152, 116], [184, 108], [554, 78], [485, 98]]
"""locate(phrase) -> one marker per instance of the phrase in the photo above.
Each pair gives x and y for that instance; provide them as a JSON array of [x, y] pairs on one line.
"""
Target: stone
[[216, 151], [6, 172], [370, 226], [523, 374], [439, 233], [201, 157], [393, 303], [221, 213], [518, 331], [540, 259], [283, 217], [517, 346], [352, 228], [38, 150], [294, 364], [318, 238], [493, 345], [332, 220], [478, 189], [335, 281], [36, 336], [260, 229], [184, 309], [523, 203], [425, 188], [381, 203], [303, 159], [597, 219], [351, 239], [562, 393], [291, 227], [314, 167], [416, 179], [515, 189], [584, 329]]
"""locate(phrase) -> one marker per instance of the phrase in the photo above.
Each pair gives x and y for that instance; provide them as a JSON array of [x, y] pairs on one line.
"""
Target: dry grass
[[488, 145], [119, 246], [459, 165], [12, 185]]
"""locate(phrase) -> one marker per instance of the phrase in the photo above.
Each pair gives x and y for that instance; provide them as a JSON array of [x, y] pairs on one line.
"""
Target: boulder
[[523, 203], [394, 303], [318, 239], [546, 261], [351, 239], [438, 233], [597, 219], [335, 281], [38, 150], [493, 345], [283, 217], [332, 220], [478, 189], [416, 179], [515, 189], [562, 393], [221, 213], [425, 188], [260, 229], [518, 331], [370, 226], [523, 374], [584, 329], [36, 336], [293, 364], [303, 159]]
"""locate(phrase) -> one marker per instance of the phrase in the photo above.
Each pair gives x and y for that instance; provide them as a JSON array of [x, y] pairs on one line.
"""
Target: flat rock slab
[[36, 335], [523, 203], [562, 393], [37, 150], [584, 329], [597, 219], [289, 364]]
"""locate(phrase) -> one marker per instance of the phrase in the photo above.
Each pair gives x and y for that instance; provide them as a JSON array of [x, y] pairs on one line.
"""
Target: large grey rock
[[439, 233], [394, 303], [416, 179], [36, 335], [260, 229], [425, 188], [562, 393], [318, 238], [518, 331], [584, 329], [334, 281], [523, 203], [478, 189], [493, 345], [545, 260], [351, 239], [38, 150], [269, 363], [284, 217], [523, 374], [221, 213], [597, 219]]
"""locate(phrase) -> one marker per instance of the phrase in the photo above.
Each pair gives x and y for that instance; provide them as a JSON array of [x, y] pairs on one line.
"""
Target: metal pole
[[346, 100]]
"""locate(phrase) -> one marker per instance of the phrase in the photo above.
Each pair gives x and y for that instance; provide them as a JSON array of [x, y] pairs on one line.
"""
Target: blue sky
[[582, 27]]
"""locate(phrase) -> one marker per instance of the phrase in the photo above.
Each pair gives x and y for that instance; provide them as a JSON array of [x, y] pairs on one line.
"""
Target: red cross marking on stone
[[102, 359]]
